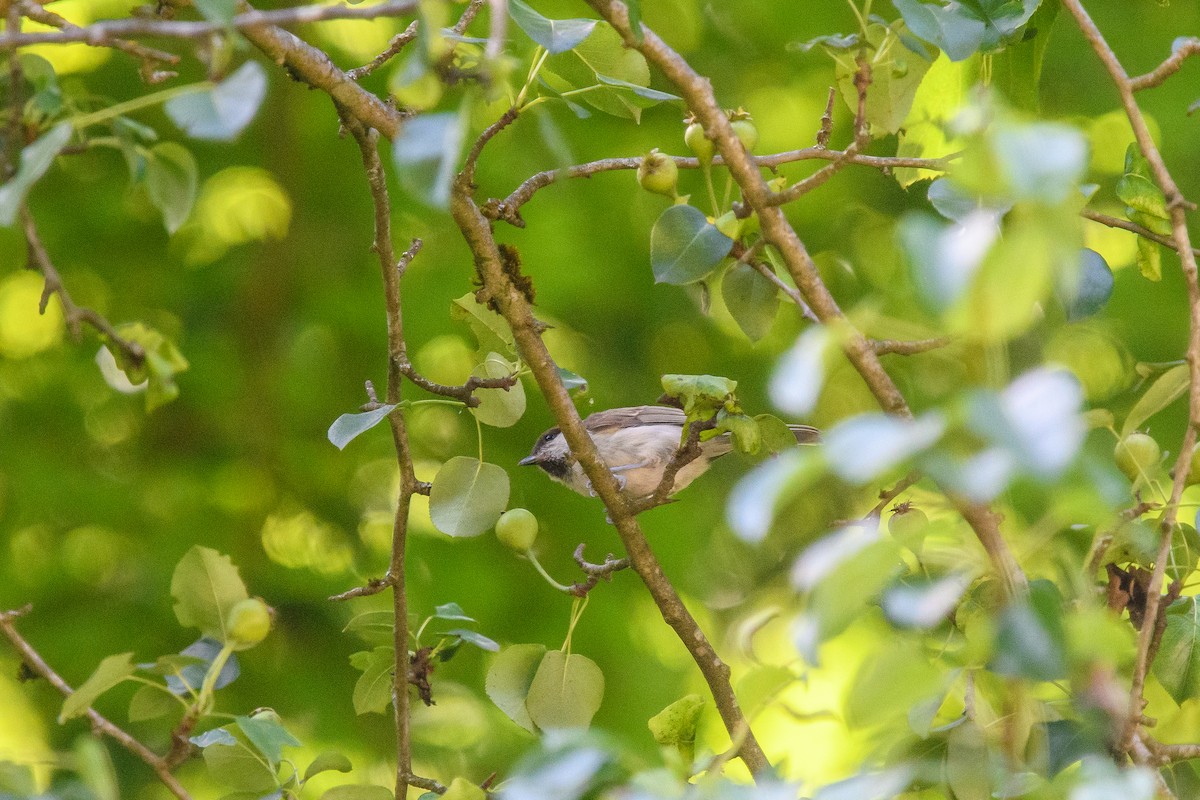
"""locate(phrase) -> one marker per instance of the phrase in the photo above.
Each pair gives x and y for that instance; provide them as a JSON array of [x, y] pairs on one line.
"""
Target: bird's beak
[[528, 461]]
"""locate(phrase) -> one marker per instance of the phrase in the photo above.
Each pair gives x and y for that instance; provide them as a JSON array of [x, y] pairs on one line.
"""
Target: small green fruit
[[698, 143], [248, 623], [1136, 455], [517, 528], [658, 173], [743, 125]]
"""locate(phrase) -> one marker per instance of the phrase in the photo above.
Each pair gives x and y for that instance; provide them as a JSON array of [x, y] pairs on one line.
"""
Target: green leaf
[[1143, 195], [925, 604], [1168, 388], [490, 329], [266, 732], [346, 427], [556, 35], [752, 300], [744, 430], [1177, 665], [957, 34], [676, 724], [898, 677], [222, 112], [36, 158], [427, 151], [603, 53], [330, 761], [206, 585], [968, 767], [451, 611], [653, 96], [509, 678], [1149, 259], [500, 408], [894, 79], [1042, 161], [373, 690], [150, 702], [571, 381], [685, 246], [111, 671], [774, 434], [171, 182], [95, 769], [1030, 641], [566, 691], [700, 395], [157, 371], [1017, 71], [237, 767], [185, 672], [462, 789], [214, 736], [468, 496], [475, 638], [755, 499], [358, 791], [17, 779]]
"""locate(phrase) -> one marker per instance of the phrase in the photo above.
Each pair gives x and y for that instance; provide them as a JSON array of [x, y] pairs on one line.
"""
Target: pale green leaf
[[468, 496], [348, 426], [509, 678], [206, 585], [1166, 389], [111, 671], [500, 408], [566, 691]]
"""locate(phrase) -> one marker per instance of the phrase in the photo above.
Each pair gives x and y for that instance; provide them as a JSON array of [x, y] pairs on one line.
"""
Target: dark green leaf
[[1030, 637], [36, 158], [958, 34], [475, 638], [751, 298], [348, 426], [111, 671], [220, 113], [685, 246], [1091, 287], [151, 702], [171, 182], [468, 496], [556, 35], [266, 732], [1067, 742], [1177, 666]]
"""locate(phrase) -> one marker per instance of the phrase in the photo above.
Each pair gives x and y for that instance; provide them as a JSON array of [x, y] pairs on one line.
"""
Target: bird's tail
[[805, 434]]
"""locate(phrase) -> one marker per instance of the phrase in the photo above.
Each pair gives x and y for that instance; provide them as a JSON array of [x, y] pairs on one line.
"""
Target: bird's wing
[[634, 416]]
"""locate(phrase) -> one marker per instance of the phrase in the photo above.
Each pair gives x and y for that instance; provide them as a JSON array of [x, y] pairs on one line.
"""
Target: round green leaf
[[220, 113], [171, 182], [500, 408], [237, 767], [206, 585], [326, 762], [685, 246], [751, 298], [468, 496], [556, 35], [509, 678], [566, 691]]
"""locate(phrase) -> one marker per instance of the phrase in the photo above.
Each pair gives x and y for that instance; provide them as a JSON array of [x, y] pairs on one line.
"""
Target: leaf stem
[[136, 104]]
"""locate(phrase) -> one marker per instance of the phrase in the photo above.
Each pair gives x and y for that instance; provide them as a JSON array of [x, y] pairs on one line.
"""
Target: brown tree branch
[[1132, 227], [902, 347], [1172, 64], [390, 267], [100, 724], [512, 303], [45, 16], [1176, 205], [596, 572], [698, 93]]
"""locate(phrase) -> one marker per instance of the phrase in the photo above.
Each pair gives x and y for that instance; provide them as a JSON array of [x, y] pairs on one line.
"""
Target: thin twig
[[902, 347], [373, 586], [428, 784], [826, 129], [1155, 77], [814, 181], [468, 16], [888, 495], [100, 724], [506, 119], [463, 392], [687, 452], [74, 315], [596, 572], [103, 33], [45, 16], [508, 208], [398, 43], [1132, 227], [1149, 635]]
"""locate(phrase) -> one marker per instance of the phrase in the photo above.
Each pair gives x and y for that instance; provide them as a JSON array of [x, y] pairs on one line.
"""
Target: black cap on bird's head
[[550, 453]]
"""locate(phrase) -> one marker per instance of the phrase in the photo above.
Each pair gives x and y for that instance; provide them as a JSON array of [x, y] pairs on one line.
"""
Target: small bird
[[636, 443]]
